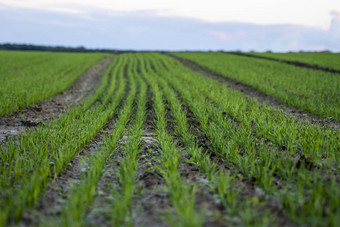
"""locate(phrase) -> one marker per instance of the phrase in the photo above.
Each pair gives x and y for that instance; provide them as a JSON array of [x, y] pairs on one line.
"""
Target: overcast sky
[[260, 25]]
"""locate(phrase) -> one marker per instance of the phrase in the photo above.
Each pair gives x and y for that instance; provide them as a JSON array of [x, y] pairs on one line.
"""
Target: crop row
[[309, 90], [328, 60]]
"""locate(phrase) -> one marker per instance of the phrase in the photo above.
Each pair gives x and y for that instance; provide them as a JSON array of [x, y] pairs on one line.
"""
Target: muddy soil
[[44, 111], [261, 97], [296, 63]]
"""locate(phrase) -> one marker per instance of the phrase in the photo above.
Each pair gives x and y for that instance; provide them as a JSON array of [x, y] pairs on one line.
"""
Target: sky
[[257, 25]]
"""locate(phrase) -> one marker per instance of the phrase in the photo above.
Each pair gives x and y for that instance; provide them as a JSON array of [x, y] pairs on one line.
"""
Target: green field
[[328, 60], [158, 144], [307, 89], [31, 77]]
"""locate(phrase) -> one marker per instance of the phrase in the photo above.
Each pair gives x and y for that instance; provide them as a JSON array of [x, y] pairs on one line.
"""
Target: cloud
[[303, 12], [142, 30]]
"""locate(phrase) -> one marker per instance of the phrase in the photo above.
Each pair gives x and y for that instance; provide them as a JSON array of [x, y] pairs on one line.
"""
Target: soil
[[44, 111], [296, 63], [258, 95]]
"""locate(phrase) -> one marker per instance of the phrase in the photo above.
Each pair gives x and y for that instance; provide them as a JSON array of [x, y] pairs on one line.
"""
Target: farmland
[[37, 77], [327, 60], [161, 140], [316, 92]]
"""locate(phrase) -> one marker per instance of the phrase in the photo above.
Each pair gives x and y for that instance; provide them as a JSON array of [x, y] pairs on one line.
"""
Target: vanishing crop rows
[[323, 59], [316, 92], [217, 156]]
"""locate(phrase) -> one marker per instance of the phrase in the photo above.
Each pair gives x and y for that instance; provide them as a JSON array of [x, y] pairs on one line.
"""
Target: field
[[174, 139], [326, 60], [314, 91], [28, 78]]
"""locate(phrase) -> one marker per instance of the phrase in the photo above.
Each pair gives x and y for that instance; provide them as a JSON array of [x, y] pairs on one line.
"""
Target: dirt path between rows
[[261, 97], [296, 63], [41, 112]]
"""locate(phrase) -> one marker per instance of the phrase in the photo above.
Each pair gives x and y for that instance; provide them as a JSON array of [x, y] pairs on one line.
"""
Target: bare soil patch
[[44, 111], [261, 97]]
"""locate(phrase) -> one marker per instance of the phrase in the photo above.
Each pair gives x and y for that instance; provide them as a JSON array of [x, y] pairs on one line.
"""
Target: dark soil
[[44, 111], [296, 63], [258, 95]]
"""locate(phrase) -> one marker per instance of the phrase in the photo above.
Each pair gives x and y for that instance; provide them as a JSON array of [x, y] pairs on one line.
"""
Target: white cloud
[[304, 12], [142, 31]]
